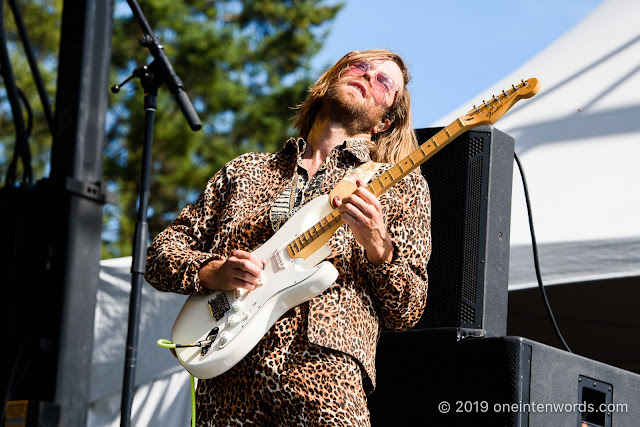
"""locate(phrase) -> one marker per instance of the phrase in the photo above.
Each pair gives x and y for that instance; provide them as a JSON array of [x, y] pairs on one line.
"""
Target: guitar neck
[[487, 113], [424, 152], [316, 236]]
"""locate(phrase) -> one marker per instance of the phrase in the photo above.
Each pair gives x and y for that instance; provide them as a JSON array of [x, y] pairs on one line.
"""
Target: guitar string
[[302, 239]]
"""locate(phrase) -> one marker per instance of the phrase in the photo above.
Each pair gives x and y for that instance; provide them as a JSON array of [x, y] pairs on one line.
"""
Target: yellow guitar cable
[[168, 344]]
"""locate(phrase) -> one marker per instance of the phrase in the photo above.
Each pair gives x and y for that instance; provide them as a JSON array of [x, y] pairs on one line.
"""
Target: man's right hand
[[241, 270]]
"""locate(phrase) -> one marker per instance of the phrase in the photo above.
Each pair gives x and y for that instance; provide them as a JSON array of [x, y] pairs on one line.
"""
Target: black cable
[[37, 77], [18, 152], [27, 107], [21, 145], [22, 151], [536, 263]]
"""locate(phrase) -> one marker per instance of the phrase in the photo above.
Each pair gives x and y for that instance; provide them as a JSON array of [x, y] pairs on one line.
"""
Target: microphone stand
[[151, 77]]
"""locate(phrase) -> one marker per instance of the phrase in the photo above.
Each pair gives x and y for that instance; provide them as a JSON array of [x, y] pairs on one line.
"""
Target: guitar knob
[[234, 319], [237, 306], [223, 338]]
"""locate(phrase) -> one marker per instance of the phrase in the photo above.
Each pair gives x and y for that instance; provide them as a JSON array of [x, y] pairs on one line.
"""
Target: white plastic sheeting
[[163, 391]]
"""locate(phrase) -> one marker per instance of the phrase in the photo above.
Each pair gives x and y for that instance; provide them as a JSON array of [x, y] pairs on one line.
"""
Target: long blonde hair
[[390, 146]]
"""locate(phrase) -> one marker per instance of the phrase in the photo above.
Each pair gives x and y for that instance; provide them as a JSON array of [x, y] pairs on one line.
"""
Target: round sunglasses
[[381, 81]]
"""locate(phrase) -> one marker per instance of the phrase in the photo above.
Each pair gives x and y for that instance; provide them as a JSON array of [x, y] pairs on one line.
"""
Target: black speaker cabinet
[[500, 381], [470, 185]]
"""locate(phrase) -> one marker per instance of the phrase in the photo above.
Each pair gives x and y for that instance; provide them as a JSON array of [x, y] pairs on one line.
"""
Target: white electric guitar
[[213, 332]]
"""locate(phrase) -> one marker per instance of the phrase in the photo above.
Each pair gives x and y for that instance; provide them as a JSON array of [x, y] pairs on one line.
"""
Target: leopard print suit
[[317, 363]]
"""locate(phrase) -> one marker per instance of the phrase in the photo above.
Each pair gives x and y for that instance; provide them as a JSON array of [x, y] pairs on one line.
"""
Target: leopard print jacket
[[241, 208]]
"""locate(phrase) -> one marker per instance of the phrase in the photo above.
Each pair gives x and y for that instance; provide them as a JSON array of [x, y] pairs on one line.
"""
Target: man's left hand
[[362, 212]]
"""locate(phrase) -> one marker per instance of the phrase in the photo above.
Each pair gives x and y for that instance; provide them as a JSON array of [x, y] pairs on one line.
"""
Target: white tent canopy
[[579, 142]]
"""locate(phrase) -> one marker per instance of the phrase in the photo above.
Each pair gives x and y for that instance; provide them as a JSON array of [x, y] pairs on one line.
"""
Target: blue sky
[[455, 48]]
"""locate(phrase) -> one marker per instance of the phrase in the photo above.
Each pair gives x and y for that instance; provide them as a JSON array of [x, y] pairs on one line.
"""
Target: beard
[[356, 119]]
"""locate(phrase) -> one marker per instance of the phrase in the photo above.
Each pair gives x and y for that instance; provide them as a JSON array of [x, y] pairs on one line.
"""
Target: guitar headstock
[[491, 111]]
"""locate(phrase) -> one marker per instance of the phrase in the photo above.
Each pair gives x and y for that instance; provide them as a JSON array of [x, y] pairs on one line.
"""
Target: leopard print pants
[[285, 381]]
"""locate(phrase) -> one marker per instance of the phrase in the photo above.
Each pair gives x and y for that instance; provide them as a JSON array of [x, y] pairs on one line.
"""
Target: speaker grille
[[512, 369], [472, 229], [467, 312], [455, 176]]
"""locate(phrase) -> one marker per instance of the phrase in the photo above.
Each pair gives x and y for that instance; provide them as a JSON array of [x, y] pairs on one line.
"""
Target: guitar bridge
[[219, 306]]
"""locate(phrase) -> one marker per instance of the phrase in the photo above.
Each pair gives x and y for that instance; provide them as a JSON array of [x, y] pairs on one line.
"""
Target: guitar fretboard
[[326, 225], [487, 113], [324, 228]]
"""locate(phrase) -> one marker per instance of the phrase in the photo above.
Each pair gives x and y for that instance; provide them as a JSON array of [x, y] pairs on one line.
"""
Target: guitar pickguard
[[241, 318]]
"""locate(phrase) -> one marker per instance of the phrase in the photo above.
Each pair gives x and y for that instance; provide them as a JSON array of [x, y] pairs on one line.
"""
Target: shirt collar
[[358, 148]]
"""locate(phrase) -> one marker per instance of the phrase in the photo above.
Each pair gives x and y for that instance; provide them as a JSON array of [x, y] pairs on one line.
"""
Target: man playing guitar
[[316, 364]]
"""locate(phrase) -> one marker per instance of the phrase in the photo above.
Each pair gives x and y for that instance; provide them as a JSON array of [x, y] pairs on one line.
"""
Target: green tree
[[244, 65]]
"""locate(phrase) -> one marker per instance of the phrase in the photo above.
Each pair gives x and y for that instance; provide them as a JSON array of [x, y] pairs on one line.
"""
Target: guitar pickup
[[279, 259], [219, 306]]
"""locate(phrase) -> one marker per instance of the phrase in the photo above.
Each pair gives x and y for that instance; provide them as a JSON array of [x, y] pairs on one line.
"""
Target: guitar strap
[[347, 184]]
